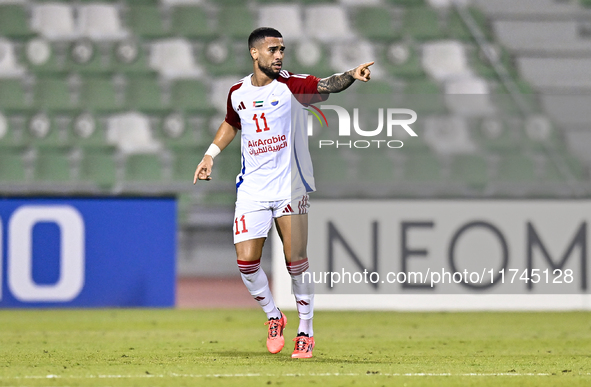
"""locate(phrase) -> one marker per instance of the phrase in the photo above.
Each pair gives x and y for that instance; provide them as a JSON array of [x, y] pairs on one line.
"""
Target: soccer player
[[275, 178]]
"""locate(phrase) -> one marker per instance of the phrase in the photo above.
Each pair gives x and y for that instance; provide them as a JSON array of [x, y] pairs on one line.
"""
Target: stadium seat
[[311, 57], [144, 93], [223, 57], [146, 20], [99, 166], [100, 94], [190, 95], [178, 131], [185, 162], [516, 168], [53, 93], [228, 166], [42, 56], [173, 58], [423, 96], [376, 23], [400, 59], [45, 131], [457, 29], [130, 57], [331, 167], [11, 136], [131, 133], [88, 131], [100, 21], [13, 95], [445, 59], [54, 21], [315, 22], [85, 57], [287, 18], [192, 22], [143, 167], [12, 166], [52, 165], [235, 22], [376, 166], [422, 23], [9, 66], [470, 169], [422, 167], [14, 21]]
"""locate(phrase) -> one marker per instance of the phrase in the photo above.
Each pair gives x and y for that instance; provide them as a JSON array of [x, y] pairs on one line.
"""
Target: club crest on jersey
[[257, 104], [274, 102]]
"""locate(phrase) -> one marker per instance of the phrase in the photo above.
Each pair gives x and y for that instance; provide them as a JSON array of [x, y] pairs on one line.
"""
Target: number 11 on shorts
[[236, 220]]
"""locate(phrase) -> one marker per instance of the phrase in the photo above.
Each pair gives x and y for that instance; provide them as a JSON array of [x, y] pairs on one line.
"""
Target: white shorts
[[253, 219]]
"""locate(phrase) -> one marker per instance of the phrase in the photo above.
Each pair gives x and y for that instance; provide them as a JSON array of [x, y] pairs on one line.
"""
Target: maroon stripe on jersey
[[249, 267], [297, 268], [303, 87], [232, 116]]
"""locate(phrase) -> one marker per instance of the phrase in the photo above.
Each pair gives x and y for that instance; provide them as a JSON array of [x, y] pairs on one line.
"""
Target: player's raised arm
[[223, 137], [339, 82]]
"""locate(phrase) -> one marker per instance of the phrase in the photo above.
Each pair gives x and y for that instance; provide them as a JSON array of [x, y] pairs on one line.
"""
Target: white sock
[[257, 284], [304, 295]]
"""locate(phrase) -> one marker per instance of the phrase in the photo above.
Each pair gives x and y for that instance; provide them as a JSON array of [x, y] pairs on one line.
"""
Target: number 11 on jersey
[[236, 220], [256, 120]]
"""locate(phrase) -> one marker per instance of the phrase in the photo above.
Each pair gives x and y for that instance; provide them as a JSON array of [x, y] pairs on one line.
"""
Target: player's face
[[269, 56]]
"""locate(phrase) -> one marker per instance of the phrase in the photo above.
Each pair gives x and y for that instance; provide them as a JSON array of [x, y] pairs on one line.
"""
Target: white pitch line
[[175, 375]]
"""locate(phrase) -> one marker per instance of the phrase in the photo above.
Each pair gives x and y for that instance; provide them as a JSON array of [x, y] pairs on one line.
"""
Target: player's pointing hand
[[362, 72], [203, 170]]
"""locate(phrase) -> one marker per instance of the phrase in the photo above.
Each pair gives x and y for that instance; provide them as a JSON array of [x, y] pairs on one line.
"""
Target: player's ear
[[254, 53]]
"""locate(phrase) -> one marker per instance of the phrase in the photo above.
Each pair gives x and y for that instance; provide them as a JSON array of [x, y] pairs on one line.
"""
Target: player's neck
[[259, 79]]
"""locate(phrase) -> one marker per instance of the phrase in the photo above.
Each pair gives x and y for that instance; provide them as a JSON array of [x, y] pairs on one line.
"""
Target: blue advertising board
[[87, 252]]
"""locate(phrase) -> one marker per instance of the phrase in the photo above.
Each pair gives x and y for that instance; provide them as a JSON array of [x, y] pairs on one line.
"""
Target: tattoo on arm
[[336, 83]]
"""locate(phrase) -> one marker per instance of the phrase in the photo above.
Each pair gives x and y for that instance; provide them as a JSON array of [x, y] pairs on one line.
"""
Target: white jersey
[[276, 162]]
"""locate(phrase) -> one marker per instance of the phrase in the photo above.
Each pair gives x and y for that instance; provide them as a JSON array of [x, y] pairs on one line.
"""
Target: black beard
[[268, 71]]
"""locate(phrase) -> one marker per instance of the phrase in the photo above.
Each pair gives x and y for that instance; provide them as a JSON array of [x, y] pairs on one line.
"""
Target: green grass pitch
[[129, 347]]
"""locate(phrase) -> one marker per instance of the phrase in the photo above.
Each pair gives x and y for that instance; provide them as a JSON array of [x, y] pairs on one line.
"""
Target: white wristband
[[213, 151]]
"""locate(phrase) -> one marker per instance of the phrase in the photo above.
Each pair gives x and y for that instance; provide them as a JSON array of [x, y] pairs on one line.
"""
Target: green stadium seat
[[13, 138], [185, 162], [191, 22], [98, 93], [44, 131], [99, 166], [331, 167], [424, 96], [227, 166], [176, 131], [190, 95], [52, 165], [375, 23], [143, 167], [237, 60], [422, 167], [130, 57], [146, 20], [220, 199], [572, 164], [53, 93], [457, 29], [411, 68], [34, 56], [376, 166], [236, 22], [422, 23], [13, 95], [14, 21], [12, 166], [88, 132], [516, 168], [144, 93], [94, 63], [470, 169], [321, 68]]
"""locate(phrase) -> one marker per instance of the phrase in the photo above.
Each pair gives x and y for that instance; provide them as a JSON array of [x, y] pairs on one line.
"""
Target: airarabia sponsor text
[[273, 144]]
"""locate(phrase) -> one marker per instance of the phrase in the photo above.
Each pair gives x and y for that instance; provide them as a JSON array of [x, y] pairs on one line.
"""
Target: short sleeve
[[232, 116], [305, 89]]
